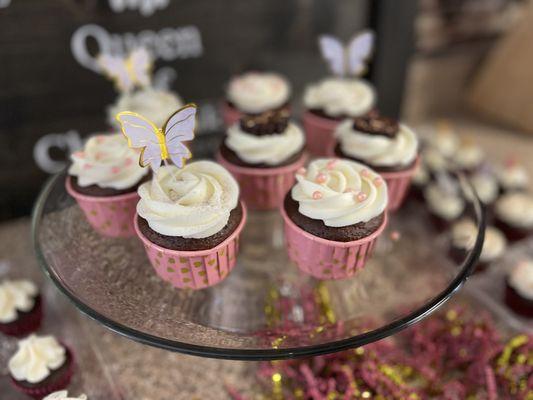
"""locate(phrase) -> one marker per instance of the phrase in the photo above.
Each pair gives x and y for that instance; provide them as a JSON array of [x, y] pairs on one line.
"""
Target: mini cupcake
[[519, 289], [333, 217], [444, 140], [41, 366], [486, 187], [512, 176], [435, 162], [63, 395], [463, 238], [20, 307], [254, 93], [389, 148], [103, 178], [263, 153], [514, 215], [468, 157], [189, 220], [327, 103], [444, 203]]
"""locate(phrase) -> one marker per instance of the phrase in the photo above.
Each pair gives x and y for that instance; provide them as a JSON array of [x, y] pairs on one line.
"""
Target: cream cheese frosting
[[446, 204], [515, 209], [340, 192], [256, 92], [268, 149], [36, 358], [485, 186], [63, 395], [16, 295], [468, 156], [513, 176], [445, 141], [155, 104], [192, 202], [107, 161], [378, 150], [340, 97], [521, 279], [464, 234]]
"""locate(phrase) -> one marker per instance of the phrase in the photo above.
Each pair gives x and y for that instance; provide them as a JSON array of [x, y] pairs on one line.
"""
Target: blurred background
[[434, 58]]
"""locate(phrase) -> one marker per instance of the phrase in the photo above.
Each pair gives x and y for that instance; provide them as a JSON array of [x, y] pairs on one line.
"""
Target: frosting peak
[[340, 192], [35, 358], [516, 209], [464, 233], [192, 202], [16, 296]]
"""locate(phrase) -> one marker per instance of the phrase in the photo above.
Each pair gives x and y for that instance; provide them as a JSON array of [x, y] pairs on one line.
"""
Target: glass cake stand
[[266, 309]]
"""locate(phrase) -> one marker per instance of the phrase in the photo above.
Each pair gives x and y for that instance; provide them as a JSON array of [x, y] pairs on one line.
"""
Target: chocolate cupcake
[[20, 307], [463, 237], [444, 203], [63, 395], [513, 213], [519, 289], [41, 366], [512, 176]]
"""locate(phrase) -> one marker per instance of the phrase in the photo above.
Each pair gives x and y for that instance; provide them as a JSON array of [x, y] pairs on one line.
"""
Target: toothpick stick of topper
[[350, 59], [130, 72], [157, 145]]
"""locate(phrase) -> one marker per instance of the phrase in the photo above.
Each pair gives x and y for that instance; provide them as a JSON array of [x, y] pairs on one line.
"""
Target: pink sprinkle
[[321, 178], [365, 173], [317, 195], [87, 166], [361, 196], [395, 236], [301, 171], [378, 182], [332, 163], [115, 170], [128, 162]]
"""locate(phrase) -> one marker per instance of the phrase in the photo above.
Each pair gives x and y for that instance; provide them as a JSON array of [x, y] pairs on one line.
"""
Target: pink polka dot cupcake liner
[[230, 114], [110, 216], [264, 188], [398, 184], [326, 259], [194, 269], [319, 132]]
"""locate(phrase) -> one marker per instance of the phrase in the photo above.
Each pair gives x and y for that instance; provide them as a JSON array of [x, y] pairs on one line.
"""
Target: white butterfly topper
[[160, 144], [135, 70], [350, 60]]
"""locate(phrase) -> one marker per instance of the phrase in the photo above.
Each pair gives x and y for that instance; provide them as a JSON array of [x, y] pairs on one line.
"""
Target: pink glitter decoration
[[317, 195], [321, 178]]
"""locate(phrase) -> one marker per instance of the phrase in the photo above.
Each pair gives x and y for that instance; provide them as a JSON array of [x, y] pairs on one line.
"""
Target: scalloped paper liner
[[327, 259], [194, 269], [264, 188], [110, 216], [28, 323], [320, 134]]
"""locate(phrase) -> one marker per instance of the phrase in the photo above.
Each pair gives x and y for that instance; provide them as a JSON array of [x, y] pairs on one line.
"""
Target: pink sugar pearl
[[321, 178], [361, 197], [378, 182], [365, 173], [115, 170], [331, 164], [317, 195]]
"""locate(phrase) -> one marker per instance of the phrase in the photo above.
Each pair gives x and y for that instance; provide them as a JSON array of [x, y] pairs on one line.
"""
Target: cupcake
[[154, 104], [63, 395], [20, 307], [486, 187], [104, 178], [41, 366], [189, 220], [512, 176], [435, 162], [513, 214], [389, 148], [463, 238], [255, 93], [327, 103], [333, 217], [263, 153], [468, 157], [444, 140], [444, 203], [519, 289]]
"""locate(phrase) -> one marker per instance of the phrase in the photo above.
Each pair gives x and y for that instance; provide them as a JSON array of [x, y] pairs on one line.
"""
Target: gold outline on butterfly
[[159, 133]]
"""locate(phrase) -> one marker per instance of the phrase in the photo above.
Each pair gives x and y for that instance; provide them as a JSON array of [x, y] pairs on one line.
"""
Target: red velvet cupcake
[[514, 215], [20, 307], [519, 289]]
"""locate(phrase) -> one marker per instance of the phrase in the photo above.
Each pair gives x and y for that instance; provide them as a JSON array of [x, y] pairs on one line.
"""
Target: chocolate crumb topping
[[376, 124], [268, 123]]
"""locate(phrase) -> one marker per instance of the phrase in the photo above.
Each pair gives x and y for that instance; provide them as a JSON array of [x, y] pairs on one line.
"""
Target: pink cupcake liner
[[319, 132], [264, 188], [398, 183], [110, 216], [230, 114], [327, 259], [26, 323], [59, 383], [194, 269]]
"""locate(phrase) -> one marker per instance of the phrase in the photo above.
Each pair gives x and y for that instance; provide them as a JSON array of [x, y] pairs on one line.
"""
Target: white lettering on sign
[[167, 44], [68, 142], [145, 7]]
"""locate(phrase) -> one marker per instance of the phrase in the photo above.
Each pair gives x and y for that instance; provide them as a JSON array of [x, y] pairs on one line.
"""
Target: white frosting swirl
[[516, 209], [107, 161], [464, 234], [63, 395], [340, 192], [192, 202], [36, 358], [521, 279], [154, 104], [340, 97], [513, 176], [468, 156], [256, 92], [16, 296], [378, 150], [443, 203], [268, 149], [485, 186]]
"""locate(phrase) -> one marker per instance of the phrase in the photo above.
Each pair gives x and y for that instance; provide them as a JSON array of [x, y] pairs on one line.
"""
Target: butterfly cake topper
[[350, 59], [160, 144], [129, 72]]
